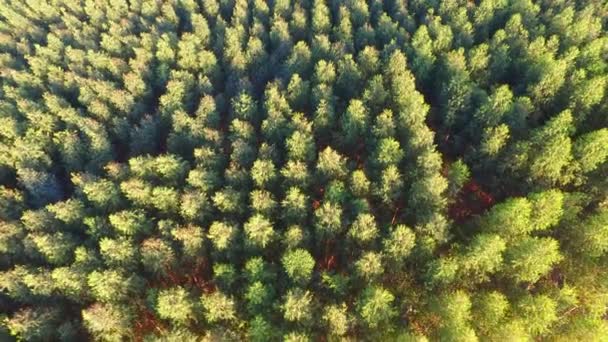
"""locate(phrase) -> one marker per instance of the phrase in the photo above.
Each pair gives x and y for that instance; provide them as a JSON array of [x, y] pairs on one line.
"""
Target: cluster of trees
[[303, 170]]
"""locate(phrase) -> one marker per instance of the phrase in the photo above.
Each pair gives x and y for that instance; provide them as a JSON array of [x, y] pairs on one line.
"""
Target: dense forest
[[303, 170]]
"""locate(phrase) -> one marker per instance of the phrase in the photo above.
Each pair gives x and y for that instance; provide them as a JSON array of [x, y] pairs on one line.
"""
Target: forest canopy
[[315, 170]]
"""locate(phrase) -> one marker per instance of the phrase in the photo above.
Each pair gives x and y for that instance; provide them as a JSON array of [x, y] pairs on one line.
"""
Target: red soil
[[472, 200]]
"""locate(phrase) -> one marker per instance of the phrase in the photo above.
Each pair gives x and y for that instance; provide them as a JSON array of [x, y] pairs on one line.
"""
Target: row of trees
[[302, 170]]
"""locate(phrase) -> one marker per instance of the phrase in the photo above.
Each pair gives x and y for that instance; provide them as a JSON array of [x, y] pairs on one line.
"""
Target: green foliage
[[454, 311], [175, 304], [331, 164], [375, 307], [108, 322], [590, 149], [221, 234], [295, 204], [369, 265], [592, 234], [130, 223], [33, 324], [364, 229], [119, 252], [258, 296], [228, 201], [225, 274], [260, 330], [234, 170], [262, 173], [111, 286], [389, 152], [259, 231], [156, 255], [294, 236], [337, 319], [359, 184], [56, 248], [298, 264], [391, 185], [458, 175], [297, 306], [488, 311], [300, 146], [101, 193], [191, 240], [546, 209], [69, 212], [531, 258], [355, 121], [538, 313], [218, 307], [510, 218], [262, 202], [328, 219], [257, 269], [484, 256], [443, 271], [400, 243], [71, 282], [494, 139]]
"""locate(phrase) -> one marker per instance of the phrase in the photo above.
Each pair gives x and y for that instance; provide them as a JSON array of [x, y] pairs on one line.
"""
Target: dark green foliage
[[250, 170], [41, 186]]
